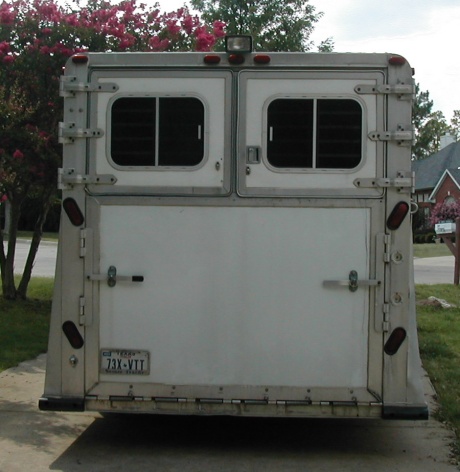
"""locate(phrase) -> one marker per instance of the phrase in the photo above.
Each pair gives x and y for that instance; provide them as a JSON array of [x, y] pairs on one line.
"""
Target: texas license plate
[[114, 361]]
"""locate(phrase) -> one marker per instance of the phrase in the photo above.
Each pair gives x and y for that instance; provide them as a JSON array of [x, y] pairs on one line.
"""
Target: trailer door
[[236, 298], [309, 134]]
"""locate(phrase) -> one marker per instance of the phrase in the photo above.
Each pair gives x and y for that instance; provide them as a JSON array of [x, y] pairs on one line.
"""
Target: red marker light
[[397, 215], [395, 340], [72, 334], [80, 59], [236, 59], [211, 59], [397, 60], [73, 211], [262, 58]]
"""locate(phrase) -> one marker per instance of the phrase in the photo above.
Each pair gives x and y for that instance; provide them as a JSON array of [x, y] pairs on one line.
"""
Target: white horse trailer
[[236, 236]]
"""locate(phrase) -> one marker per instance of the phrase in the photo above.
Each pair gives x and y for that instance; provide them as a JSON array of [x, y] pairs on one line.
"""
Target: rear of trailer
[[236, 237]]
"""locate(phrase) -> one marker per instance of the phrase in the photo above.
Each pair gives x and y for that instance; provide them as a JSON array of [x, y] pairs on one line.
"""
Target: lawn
[[439, 338], [431, 250], [24, 324]]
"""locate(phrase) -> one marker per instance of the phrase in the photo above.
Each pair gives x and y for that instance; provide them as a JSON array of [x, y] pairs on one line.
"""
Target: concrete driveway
[[36, 441]]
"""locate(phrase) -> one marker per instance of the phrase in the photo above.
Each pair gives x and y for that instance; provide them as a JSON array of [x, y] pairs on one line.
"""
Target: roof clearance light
[[397, 60], [397, 215], [238, 44], [236, 59], [395, 340], [80, 58], [262, 58], [73, 211], [211, 59]]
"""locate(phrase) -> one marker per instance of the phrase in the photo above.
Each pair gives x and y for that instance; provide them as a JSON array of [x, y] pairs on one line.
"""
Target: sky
[[425, 32]]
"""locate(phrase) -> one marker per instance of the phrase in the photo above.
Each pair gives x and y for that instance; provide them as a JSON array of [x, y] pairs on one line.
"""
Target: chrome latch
[[353, 282], [353, 278], [112, 278]]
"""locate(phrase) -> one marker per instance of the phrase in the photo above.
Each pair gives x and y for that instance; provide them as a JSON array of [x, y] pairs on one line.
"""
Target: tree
[[36, 38], [444, 212], [275, 25], [429, 126], [455, 124]]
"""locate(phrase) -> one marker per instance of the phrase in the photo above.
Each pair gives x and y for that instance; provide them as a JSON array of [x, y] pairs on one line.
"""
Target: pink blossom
[[172, 27], [3, 198], [8, 59], [18, 154], [188, 23], [47, 31], [204, 42], [158, 45], [6, 15], [4, 47], [218, 29]]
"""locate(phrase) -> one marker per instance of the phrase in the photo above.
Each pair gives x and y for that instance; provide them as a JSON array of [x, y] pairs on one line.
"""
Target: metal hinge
[[400, 182], [402, 90], [67, 178], [83, 235], [68, 132], [387, 249], [386, 318], [69, 86], [404, 135], [81, 312]]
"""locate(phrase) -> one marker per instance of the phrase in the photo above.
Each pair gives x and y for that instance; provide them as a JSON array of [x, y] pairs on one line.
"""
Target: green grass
[[24, 325], [439, 338], [431, 250]]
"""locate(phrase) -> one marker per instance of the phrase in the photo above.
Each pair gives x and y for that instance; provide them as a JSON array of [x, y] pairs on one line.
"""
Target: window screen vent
[[157, 131], [314, 133]]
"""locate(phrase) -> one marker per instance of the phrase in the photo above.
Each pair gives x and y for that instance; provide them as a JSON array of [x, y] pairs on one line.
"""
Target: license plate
[[114, 361]]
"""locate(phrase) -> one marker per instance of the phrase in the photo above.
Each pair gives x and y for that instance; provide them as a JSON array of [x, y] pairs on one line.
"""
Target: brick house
[[437, 178]]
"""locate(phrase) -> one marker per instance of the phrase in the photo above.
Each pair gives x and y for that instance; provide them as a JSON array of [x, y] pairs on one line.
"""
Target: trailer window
[[314, 133], [157, 131]]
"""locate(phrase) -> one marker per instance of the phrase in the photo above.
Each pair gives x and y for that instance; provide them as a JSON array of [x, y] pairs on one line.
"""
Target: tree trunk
[[7, 260], [35, 243]]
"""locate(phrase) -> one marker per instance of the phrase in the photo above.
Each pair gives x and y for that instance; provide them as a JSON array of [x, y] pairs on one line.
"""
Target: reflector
[[73, 211], [395, 340], [397, 215], [72, 334]]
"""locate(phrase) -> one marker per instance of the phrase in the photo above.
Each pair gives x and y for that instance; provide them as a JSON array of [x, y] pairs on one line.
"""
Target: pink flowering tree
[[36, 39], [445, 212]]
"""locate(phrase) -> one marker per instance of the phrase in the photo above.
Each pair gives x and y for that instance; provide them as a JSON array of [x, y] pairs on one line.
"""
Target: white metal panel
[[235, 296], [211, 91], [258, 90]]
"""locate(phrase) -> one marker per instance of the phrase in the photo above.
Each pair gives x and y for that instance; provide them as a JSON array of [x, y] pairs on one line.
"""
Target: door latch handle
[[353, 282], [112, 278]]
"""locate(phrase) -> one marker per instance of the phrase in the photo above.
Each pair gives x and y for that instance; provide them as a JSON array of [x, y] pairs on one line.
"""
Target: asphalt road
[[45, 260]]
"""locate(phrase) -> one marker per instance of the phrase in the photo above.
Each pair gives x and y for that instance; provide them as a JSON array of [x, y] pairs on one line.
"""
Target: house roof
[[428, 171], [454, 174]]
